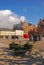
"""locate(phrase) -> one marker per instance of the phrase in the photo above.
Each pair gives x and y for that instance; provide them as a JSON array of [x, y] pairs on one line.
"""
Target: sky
[[14, 11]]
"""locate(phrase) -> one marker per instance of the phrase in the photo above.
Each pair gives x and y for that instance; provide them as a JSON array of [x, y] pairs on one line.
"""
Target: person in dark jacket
[[34, 38]]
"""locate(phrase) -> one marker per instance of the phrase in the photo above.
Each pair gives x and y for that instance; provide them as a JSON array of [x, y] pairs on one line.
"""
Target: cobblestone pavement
[[35, 58], [6, 58]]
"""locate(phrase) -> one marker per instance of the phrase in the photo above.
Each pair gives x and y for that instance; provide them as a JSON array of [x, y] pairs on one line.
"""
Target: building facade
[[25, 27], [28, 28], [11, 34], [40, 27]]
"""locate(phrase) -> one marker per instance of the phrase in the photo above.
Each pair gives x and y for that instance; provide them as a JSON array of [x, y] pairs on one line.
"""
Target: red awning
[[26, 35]]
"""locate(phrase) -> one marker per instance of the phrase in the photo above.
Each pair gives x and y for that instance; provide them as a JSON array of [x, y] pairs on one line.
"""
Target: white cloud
[[9, 18], [22, 18], [5, 12]]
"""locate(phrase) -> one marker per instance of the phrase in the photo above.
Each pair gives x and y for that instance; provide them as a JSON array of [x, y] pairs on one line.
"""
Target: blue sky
[[33, 10]]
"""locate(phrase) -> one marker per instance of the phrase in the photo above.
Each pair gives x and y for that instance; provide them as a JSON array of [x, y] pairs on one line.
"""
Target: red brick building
[[40, 27]]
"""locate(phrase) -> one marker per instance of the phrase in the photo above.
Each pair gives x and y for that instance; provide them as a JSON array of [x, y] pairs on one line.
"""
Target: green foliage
[[12, 45], [19, 49], [28, 47], [16, 47], [27, 44]]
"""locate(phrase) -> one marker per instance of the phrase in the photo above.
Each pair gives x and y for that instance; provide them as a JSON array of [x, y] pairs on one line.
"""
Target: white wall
[[7, 33], [16, 32], [19, 32]]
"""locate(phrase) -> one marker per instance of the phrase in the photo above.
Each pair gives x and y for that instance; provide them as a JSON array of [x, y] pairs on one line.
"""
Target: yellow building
[[27, 27]]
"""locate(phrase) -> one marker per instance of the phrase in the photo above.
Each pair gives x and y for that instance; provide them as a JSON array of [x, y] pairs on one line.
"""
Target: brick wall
[[41, 27]]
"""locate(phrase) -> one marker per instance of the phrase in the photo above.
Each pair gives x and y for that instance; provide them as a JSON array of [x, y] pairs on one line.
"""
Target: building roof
[[41, 22], [5, 29], [20, 26]]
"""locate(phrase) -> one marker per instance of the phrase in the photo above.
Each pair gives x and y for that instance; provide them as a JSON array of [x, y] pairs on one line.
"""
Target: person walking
[[34, 38]]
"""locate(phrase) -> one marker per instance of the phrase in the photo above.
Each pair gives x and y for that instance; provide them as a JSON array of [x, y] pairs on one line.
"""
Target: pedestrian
[[30, 38], [39, 37], [34, 38]]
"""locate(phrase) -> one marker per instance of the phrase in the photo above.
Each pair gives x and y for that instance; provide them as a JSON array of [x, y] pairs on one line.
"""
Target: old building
[[25, 26], [9, 34], [40, 27], [29, 28]]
